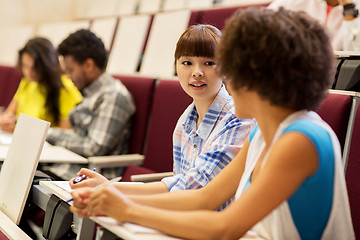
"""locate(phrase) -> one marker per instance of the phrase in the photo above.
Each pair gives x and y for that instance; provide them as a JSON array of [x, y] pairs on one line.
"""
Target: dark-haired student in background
[[101, 123]]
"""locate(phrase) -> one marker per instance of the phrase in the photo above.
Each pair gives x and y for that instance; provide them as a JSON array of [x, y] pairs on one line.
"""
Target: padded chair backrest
[[128, 44], [335, 110], [158, 57], [142, 89], [105, 28], [56, 32], [9, 81], [217, 16], [353, 175], [169, 103]]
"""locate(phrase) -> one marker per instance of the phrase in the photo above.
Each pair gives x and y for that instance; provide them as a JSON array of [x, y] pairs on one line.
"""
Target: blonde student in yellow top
[[43, 91]]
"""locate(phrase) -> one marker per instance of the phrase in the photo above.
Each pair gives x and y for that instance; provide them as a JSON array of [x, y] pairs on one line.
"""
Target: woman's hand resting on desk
[[107, 201], [80, 200], [92, 179], [7, 122]]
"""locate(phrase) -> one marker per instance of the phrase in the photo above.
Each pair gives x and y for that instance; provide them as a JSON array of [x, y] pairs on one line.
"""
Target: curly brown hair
[[284, 56]]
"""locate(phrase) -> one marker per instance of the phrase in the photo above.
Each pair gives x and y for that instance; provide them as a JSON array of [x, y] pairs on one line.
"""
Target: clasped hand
[[107, 201]]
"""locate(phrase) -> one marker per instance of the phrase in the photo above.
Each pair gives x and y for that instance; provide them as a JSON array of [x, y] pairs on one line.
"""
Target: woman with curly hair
[[288, 178]]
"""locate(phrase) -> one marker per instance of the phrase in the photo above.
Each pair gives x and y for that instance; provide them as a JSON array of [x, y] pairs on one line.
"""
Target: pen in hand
[[100, 186], [82, 177]]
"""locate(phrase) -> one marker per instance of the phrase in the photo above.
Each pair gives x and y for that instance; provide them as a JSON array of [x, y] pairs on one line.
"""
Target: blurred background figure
[[340, 17], [101, 123], [44, 92]]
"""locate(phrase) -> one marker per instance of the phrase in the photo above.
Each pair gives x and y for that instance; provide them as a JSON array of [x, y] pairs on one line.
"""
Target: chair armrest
[[151, 177], [115, 160]]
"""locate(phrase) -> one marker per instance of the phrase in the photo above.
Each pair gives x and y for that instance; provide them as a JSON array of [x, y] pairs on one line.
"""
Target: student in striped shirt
[[207, 135]]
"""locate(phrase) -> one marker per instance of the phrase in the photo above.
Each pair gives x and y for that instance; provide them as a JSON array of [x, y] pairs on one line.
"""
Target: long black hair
[[47, 67]]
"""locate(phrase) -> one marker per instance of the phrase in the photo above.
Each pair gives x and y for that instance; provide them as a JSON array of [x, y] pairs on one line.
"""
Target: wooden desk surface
[[125, 231], [51, 154], [130, 231], [10, 229]]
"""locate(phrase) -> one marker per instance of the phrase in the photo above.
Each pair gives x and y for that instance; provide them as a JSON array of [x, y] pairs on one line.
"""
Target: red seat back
[[335, 110], [9, 81], [142, 89], [217, 16], [353, 175], [169, 103]]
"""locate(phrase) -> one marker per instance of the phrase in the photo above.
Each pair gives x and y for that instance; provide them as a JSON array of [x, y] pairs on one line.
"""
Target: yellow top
[[31, 99]]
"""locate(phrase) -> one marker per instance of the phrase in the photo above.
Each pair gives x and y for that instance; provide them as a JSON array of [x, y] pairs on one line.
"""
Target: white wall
[[15, 12], [11, 12]]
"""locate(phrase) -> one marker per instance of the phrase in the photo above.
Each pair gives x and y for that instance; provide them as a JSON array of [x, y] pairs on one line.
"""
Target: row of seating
[[138, 44], [93, 9], [9, 81], [160, 102], [145, 43]]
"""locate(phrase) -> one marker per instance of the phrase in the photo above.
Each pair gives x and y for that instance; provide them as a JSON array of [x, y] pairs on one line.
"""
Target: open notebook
[[63, 190], [20, 164]]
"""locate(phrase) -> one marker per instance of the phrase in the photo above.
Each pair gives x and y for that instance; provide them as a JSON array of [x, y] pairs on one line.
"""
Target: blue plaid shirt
[[200, 154]]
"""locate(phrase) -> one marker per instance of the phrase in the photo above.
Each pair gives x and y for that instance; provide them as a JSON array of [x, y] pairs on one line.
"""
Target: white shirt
[[345, 35]]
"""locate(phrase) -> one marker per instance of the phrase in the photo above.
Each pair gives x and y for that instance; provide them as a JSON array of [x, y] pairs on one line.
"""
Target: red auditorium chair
[[335, 110], [169, 103], [353, 175], [142, 89], [217, 16], [9, 81]]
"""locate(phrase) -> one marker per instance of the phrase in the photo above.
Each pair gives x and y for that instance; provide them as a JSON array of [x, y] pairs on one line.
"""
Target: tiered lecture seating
[[157, 61], [169, 103], [335, 110], [106, 28], [352, 174], [149, 6], [141, 52], [58, 31], [128, 44], [142, 90], [9, 81], [95, 8], [152, 137]]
